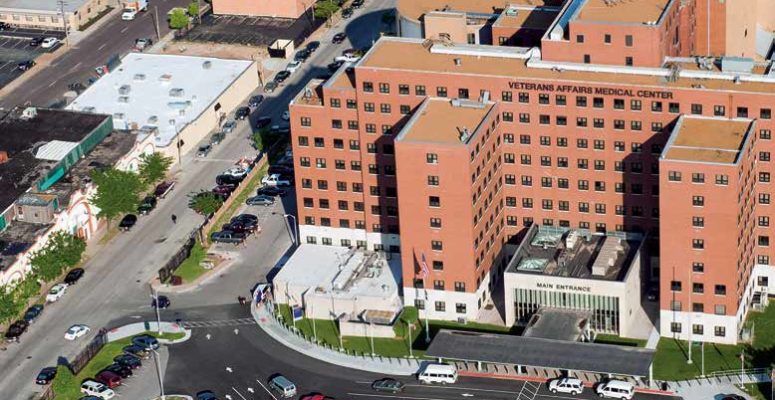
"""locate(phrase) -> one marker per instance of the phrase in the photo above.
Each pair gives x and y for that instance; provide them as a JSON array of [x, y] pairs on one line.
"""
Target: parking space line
[[238, 393], [267, 390]]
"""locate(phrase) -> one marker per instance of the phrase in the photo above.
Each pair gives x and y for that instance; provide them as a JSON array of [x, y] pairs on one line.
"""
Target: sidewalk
[[381, 365]]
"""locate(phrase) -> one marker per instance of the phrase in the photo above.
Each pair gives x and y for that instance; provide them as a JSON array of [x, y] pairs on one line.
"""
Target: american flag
[[423, 267]]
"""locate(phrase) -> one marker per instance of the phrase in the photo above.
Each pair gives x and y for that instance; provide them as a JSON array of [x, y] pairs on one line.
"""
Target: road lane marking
[[52, 83], [463, 388], [267, 390], [238, 393], [395, 397], [102, 47], [125, 29], [554, 397]]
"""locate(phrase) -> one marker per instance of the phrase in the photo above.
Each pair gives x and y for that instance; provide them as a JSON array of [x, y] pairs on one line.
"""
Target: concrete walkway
[[381, 365]]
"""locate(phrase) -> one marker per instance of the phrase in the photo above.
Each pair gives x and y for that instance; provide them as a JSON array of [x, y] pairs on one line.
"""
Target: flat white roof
[[41, 5], [157, 90], [341, 272]]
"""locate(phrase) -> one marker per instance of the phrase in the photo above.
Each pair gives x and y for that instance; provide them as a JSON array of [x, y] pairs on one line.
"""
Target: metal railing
[[751, 375]]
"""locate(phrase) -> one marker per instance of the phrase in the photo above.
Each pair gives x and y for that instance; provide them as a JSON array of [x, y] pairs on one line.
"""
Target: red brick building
[[446, 153]]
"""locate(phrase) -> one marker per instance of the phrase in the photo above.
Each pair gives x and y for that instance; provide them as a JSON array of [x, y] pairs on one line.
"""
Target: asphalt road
[[78, 63], [115, 286]]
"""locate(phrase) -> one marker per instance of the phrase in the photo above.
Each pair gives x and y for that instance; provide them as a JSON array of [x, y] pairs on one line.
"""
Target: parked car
[[229, 126], [283, 386], [334, 66], [245, 227], [286, 116], [228, 237], [280, 129], [281, 169], [147, 205], [163, 189], [206, 395], [49, 42], [164, 302], [109, 379], [46, 375], [94, 388], [339, 38], [4, 26], [16, 330], [74, 276], [387, 385], [127, 222], [572, 386], [263, 122], [56, 292], [120, 370], [33, 313], [313, 46], [616, 389], [143, 43], [302, 55], [276, 180], [129, 360], [347, 12], [255, 100], [351, 58], [76, 331], [224, 190], [36, 41], [146, 341], [217, 138], [271, 191], [204, 150], [270, 87], [137, 351], [228, 180], [356, 4], [246, 217], [241, 113], [260, 200], [25, 65], [237, 172], [282, 76], [293, 66]]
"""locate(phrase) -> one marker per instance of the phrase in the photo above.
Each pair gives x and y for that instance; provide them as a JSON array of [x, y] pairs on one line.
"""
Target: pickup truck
[[276, 180], [228, 237], [131, 8]]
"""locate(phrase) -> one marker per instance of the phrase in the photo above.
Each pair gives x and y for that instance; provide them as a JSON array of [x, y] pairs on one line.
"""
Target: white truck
[[131, 8]]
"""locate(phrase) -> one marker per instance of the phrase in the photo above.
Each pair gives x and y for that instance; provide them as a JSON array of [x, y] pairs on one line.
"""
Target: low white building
[[178, 99], [556, 268], [338, 282]]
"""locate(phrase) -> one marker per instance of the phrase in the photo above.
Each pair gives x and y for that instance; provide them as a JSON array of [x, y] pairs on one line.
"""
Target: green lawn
[[68, 387], [670, 359], [618, 340], [191, 268]]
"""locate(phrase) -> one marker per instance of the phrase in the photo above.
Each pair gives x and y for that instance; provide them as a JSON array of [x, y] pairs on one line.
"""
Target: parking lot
[[251, 31], [15, 48]]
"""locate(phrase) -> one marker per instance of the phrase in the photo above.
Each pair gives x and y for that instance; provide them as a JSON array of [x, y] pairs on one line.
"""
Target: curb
[[182, 396], [185, 338], [542, 380]]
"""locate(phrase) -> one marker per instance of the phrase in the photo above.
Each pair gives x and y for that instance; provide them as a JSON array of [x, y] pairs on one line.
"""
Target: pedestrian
[[174, 219]]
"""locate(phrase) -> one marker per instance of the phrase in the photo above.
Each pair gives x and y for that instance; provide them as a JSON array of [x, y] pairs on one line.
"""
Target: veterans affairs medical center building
[[566, 155]]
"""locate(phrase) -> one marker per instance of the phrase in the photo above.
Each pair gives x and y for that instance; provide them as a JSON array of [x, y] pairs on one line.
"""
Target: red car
[[109, 379], [317, 396], [224, 190]]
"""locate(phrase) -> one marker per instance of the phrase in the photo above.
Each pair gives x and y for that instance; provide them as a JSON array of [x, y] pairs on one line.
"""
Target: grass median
[[68, 386], [191, 268], [247, 189]]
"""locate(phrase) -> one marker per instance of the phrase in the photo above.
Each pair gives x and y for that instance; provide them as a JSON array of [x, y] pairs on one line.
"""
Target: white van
[[282, 385], [616, 389], [438, 373], [94, 388]]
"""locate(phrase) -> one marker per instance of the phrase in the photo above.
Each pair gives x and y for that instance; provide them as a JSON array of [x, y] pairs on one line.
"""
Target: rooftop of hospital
[[574, 254], [711, 140], [525, 18], [622, 11], [417, 55], [441, 120], [415, 9], [166, 92]]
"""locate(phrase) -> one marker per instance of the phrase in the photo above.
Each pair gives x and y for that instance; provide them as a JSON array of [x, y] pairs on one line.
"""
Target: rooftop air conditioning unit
[[139, 77], [177, 92], [124, 89], [207, 64]]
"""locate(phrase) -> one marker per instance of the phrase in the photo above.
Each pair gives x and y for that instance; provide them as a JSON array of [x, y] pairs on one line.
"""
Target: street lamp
[[295, 233], [158, 371], [155, 297]]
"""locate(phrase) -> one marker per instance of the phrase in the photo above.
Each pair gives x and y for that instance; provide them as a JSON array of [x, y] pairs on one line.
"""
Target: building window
[[368, 87], [607, 38], [433, 180], [579, 38], [719, 331], [628, 61], [697, 109], [462, 93], [628, 40], [460, 308], [675, 286], [742, 112], [438, 265], [306, 121], [719, 111], [419, 304], [441, 306], [698, 244], [675, 305], [437, 245], [438, 285], [720, 309], [697, 328], [698, 201], [698, 267], [435, 222], [506, 96], [441, 91], [431, 158], [419, 90], [587, 59], [675, 327], [434, 201]]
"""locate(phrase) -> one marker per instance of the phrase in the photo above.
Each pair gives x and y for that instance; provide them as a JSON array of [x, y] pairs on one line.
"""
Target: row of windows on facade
[[562, 100], [361, 244], [440, 306], [321, 163], [761, 240], [354, 144], [698, 287], [698, 329], [357, 187], [344, 205], [763, 221]]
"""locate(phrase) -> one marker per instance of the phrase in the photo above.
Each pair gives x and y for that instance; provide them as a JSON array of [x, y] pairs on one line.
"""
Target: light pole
[[295, 228], [155, 297], [158, 371], [427, 329], [62, 4]]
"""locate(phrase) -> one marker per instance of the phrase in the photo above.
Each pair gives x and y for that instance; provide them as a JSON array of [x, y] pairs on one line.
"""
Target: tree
[[153, 167], [179, 18], [14, 297], [63, 250], [205, 203], [193, 9], [326, 8], [117, 192]]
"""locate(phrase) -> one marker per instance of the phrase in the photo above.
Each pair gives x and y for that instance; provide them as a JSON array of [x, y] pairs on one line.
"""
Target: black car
[[302, 55], [35, 42], [46, 375], [206, 395], [245, 217], [281, 76], [241, 113], [357, 4], [271, 191], [146, 342], [334, 66], [339, 38], [25, 65], [73, 276], [280, 169], [312, 46], [129, 361], [270, 86], [164, 302], [118, 369], [347, 12], [255, 101], [33, 313], [148, 204], [15, 330], [137, 351], [163, 188], [263, 122], [4, 26], [228, 180], [127, 222]]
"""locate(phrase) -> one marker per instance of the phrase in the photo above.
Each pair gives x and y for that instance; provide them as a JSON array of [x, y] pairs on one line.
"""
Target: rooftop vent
[[165, 78], [124, 89], [737, 65], [139, 77], [177, 92], [511, 11], [119, 116], [123, 99], [458, 61], [29, 113], [464, 134], [207, 64], [153, 119]]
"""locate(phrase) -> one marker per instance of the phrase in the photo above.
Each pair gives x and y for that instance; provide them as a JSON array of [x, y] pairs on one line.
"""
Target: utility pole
[[158, 371], [156, 22], [62, 4], [155, 297]]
